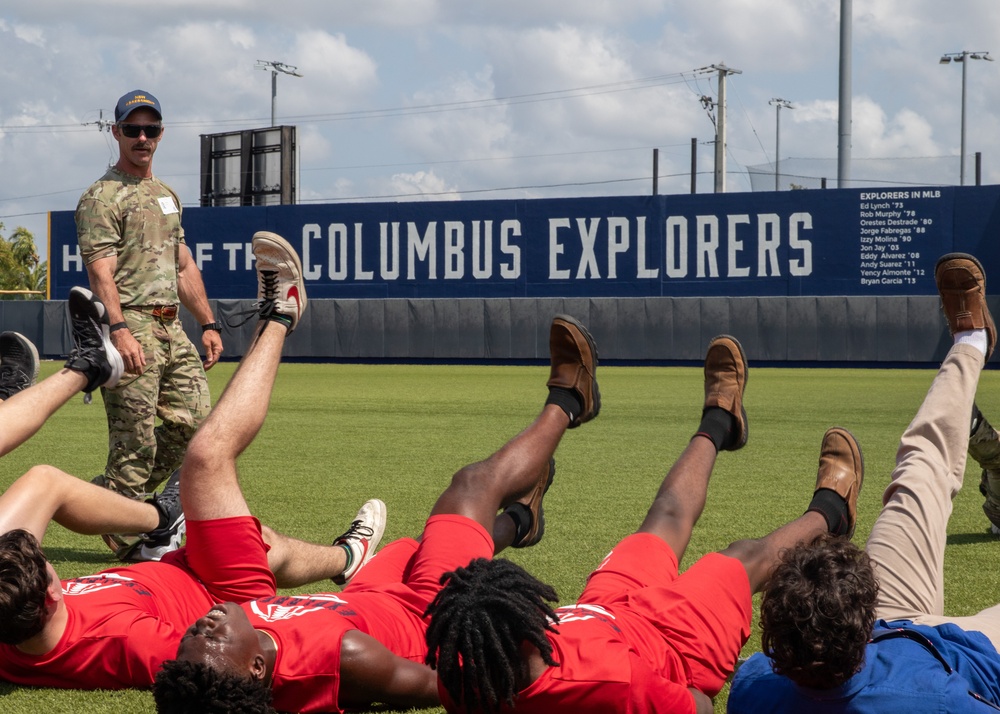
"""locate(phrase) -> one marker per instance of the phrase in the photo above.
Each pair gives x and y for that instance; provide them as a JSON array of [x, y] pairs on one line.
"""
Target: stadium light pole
[[276, 67], [778, 105], [964, 56]]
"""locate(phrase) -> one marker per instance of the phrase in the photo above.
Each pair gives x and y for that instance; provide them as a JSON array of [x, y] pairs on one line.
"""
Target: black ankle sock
[[283, 319], [521, 515], [87, 368], [833, 508], [717, 425], [350, 555], [160, 513], [567, 400]]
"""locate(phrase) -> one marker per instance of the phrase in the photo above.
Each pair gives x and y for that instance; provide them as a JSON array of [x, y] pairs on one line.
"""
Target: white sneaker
[[362, 538], [280, 288]]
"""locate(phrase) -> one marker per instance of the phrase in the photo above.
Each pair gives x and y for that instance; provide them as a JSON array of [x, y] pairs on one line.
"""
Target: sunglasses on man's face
[[132, 131]]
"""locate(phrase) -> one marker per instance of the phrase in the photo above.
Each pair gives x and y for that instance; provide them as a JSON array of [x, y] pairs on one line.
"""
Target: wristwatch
[[217, 326]]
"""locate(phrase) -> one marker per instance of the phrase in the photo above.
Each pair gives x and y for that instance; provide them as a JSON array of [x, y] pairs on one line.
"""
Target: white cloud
[[422, 185]]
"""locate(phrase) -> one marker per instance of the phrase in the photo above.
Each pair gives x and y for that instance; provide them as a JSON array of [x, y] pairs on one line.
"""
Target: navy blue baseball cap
[[134, 100]]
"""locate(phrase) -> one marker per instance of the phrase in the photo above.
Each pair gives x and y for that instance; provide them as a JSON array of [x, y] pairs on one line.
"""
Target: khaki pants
[[908, 539]]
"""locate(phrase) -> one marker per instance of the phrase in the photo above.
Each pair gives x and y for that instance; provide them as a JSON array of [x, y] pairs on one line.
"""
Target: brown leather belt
[[163, 313]]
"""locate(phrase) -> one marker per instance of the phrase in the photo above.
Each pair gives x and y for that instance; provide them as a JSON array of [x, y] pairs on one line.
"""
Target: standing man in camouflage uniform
[[129, 229]]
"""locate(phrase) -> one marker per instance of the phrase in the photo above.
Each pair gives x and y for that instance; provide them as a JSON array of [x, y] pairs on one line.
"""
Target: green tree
[[20, 267]]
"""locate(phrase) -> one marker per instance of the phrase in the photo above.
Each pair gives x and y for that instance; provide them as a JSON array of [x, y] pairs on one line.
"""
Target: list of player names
[[892, 224]]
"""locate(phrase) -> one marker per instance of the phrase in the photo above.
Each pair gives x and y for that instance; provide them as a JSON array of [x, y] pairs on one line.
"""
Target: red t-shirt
[[308, 631], [598, 672], [386, 600], [120, 629], [123, 623], [642, 634]]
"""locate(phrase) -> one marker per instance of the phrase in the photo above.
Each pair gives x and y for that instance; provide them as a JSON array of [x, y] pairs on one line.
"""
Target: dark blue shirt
[[943, 669]]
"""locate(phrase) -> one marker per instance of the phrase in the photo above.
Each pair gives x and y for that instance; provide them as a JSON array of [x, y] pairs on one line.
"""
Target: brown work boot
[[962, 285], [530, 508], [726, 376], [842, 470], [574, 365]]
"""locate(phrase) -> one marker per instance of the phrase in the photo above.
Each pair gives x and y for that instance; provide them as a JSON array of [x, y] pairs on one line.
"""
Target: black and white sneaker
[[18, 364], [93, 354], [157, 543]]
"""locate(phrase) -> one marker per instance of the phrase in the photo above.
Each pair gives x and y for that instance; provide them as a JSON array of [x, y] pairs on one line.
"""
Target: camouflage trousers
[[173, 390]]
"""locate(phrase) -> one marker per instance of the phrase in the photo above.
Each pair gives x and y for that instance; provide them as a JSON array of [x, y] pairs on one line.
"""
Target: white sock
[[976, 338]]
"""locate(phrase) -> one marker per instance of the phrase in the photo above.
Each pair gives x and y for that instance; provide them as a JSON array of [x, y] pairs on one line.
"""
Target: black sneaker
[[93, 354], [157, 543], [18, 364]]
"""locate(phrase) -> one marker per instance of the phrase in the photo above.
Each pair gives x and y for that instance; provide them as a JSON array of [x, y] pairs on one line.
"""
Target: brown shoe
[[842, 470], [726, 376], [533, 503], [962, 286], [574, 365]]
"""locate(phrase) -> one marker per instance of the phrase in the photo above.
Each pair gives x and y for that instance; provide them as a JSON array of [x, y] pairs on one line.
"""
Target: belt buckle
[[165, 312]]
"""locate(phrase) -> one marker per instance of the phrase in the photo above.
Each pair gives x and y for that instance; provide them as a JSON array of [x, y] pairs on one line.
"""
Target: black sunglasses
[[132, 131]]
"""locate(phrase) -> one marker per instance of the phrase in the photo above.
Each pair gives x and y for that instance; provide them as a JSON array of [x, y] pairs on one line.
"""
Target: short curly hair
[[184, 687], [818, 612], [24, 583]]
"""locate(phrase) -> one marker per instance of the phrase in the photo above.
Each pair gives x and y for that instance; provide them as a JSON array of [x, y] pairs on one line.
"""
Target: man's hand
[[131, 351], [212, 342]]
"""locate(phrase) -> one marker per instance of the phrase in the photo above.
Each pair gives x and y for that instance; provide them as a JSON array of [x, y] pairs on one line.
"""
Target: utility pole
[[276, 67], [964, 56], [844, 111], [102, 124], [656, 171], [778, 105], [694, 164], [720, 132]]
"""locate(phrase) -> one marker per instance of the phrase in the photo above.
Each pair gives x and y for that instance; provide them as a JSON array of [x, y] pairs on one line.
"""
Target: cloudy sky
[[469, 99]]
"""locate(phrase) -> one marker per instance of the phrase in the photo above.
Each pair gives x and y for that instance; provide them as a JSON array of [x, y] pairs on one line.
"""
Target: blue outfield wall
[[830, 276]]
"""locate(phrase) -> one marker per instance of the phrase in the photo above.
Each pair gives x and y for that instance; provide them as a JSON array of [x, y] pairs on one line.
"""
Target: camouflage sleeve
[[180, 212], [98, 226]]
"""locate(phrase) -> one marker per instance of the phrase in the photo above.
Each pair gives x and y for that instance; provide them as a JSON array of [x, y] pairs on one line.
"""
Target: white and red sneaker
[[362, 538], [281, 291]]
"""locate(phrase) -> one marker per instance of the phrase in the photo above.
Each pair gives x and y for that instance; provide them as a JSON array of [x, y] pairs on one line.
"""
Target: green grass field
[[339, 434]]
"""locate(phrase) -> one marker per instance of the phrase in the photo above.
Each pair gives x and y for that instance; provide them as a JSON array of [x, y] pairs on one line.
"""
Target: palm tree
[[20, 267]]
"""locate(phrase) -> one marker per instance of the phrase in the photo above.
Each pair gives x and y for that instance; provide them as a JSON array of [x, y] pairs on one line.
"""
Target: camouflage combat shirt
[[139, 221]]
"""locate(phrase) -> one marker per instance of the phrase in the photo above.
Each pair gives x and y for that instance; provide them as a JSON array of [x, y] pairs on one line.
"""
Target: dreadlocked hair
[[478, 621], [183, 687]]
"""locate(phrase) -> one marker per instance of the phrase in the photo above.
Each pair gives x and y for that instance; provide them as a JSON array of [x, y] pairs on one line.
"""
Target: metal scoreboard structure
[[254, 167]]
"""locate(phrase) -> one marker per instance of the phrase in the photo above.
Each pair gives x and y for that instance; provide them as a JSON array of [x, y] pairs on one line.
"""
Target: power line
[[490, 158], [486, 103]]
